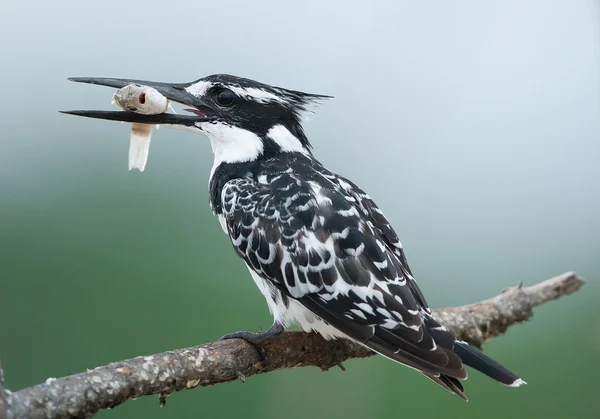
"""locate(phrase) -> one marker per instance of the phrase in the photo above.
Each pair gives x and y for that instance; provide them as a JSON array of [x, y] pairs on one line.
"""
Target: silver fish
[[144, 100]]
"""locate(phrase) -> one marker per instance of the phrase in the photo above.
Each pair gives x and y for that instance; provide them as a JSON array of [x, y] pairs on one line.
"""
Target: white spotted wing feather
[[321, 250]]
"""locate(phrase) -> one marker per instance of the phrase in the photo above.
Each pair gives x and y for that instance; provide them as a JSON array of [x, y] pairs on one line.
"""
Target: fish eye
[[225, 97]]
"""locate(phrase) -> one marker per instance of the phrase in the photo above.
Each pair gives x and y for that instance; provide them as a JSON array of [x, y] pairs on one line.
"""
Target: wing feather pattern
[[318, 239]]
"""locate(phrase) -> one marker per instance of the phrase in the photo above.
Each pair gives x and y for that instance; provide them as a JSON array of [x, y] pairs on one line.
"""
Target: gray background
[[474, 125]]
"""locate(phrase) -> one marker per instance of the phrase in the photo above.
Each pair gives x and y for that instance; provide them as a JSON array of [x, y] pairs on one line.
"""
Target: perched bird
[[319, 249]]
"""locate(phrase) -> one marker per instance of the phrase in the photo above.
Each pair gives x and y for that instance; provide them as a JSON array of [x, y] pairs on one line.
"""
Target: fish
[[145, 100]]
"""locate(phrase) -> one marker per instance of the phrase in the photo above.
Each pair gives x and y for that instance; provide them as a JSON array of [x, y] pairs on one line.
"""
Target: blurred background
[[474, 125]]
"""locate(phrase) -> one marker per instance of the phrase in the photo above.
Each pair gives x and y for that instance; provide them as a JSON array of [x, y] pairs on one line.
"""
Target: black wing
[[382, 228], [324, 243]]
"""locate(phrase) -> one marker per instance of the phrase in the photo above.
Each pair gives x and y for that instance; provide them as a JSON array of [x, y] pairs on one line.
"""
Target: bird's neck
[[232, 145]]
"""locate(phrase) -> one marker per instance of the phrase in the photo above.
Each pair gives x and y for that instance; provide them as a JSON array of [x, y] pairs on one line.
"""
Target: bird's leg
[[256, 338]]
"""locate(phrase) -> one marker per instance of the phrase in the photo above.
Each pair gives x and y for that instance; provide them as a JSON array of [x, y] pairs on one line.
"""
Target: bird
[[317, 246]]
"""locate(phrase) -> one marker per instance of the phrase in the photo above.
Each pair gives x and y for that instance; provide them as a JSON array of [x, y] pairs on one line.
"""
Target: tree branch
[[82, 395], [2, 394]]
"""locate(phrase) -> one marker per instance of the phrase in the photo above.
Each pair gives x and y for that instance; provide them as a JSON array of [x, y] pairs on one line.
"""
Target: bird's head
[[245, 120]]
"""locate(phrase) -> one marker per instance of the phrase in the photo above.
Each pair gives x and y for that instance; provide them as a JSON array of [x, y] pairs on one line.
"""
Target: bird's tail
[[483, 363], [451, 384], [471, 356]]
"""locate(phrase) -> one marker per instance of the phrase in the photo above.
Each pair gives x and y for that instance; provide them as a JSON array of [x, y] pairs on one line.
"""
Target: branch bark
[[84, 394]]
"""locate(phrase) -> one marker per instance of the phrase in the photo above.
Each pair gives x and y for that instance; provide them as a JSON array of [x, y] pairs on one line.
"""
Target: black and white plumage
[[323, 254], [319, 249]]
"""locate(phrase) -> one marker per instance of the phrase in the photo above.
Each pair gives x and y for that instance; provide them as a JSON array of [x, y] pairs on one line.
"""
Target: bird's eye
[[225, 97]]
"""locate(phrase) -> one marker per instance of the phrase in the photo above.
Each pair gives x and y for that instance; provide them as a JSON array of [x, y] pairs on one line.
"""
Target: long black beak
[[172, 91]]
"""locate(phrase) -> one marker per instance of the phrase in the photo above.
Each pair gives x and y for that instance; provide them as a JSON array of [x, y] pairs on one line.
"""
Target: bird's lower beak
[[172, 91]]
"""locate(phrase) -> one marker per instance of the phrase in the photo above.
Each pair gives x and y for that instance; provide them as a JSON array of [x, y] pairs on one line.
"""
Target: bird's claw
[[256, 339]]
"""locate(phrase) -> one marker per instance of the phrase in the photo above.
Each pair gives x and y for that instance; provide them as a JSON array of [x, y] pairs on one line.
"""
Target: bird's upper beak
[[172, 91]]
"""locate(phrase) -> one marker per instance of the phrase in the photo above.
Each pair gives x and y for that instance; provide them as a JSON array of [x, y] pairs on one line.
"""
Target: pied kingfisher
[[319, 249]]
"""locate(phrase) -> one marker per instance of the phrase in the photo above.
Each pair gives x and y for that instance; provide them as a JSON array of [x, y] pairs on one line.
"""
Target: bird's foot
[[256, 339]]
